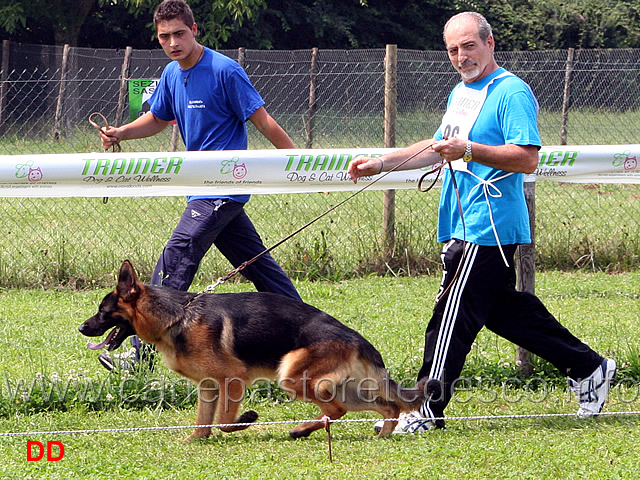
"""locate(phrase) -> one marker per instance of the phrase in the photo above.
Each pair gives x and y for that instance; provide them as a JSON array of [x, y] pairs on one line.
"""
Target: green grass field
[[39, 340]]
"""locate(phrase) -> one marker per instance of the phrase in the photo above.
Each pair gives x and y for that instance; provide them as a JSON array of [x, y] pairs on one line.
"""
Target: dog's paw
[[193, 437], [295, 433], [198, 433], [249, 416]]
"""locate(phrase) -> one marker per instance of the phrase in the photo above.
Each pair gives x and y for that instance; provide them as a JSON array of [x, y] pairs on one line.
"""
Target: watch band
[[467, 152]]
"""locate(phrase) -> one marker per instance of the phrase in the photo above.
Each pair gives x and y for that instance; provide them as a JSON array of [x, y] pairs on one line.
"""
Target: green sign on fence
[[140, 91]]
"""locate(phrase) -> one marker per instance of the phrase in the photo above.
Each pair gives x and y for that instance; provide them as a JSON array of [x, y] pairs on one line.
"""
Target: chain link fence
[[324, 99]]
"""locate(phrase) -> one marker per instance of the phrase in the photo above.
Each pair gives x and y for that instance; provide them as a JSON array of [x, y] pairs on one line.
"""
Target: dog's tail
[[410, 399]]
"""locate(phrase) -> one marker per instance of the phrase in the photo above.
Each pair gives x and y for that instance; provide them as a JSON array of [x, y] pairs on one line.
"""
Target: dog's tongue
[[98, 346]]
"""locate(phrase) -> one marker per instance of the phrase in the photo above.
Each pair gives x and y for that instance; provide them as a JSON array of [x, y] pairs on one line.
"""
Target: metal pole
[[124, 78], [4, 88]]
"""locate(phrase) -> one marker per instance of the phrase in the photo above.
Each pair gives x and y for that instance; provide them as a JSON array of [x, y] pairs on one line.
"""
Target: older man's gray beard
[[469, 75]]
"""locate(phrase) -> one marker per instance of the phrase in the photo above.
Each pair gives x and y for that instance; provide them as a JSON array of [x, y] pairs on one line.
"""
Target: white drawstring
[[487, 187]]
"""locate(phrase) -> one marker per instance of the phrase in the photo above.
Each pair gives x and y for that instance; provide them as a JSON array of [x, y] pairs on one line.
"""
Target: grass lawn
[[39, 336]]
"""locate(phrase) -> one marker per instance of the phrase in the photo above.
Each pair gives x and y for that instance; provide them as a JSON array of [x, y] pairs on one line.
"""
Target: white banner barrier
[[264, 171]]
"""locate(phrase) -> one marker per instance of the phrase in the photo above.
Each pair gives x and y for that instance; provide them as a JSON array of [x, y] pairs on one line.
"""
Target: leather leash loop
[[105, 124]]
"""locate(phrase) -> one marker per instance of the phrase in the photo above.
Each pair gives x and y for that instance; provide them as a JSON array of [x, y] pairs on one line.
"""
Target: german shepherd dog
[[228, 340]]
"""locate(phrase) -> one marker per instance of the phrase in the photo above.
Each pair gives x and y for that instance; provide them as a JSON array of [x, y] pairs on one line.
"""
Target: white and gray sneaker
[[592, 391], [412, 422]]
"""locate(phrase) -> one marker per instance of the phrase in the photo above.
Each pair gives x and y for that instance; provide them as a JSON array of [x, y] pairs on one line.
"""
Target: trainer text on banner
[[264, 171]]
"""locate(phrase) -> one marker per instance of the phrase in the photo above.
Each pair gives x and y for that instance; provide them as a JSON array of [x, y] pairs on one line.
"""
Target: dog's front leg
[[231, 395], [208, 395]]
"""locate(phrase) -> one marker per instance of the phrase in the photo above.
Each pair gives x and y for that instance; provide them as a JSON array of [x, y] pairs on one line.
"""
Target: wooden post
[[174, 137], [389, 125], [57, 129], [565, 98], [4, 88], [124, 78], [526, 263], [241, 55], [313, 74]]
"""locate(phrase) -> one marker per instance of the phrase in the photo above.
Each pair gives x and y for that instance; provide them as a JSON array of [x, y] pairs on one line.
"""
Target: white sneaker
[[380, 423], [412, 422], [592, 392]]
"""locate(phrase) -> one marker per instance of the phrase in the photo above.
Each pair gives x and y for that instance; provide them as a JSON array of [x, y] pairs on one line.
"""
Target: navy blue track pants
[[223, 223]]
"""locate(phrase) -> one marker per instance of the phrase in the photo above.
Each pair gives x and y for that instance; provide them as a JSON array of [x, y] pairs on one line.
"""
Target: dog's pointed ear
[[129, 286]]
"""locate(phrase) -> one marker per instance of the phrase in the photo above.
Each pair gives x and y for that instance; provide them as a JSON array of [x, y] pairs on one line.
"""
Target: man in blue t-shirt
[[490, 137], [210, 97]]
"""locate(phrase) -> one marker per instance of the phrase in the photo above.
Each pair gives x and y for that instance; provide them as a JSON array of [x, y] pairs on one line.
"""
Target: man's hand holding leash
[[421, 154], [109, 137]]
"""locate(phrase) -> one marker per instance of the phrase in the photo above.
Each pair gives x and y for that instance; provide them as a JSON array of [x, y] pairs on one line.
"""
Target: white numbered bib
[[462, 114]]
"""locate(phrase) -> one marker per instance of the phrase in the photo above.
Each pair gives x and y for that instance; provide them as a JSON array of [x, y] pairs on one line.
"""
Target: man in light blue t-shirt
[[210, 97], [489, 135]]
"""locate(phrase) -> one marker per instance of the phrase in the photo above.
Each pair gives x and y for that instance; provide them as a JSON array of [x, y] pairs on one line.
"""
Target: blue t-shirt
[[508, 116], [211, 109]]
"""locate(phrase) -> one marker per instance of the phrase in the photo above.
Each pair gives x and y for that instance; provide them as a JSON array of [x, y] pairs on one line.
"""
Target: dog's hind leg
[[325, 398], [388, 411], [317, 374], [333, 410]]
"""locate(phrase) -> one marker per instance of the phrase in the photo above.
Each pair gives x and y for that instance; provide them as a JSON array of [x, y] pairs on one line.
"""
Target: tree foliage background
[[296, 24]]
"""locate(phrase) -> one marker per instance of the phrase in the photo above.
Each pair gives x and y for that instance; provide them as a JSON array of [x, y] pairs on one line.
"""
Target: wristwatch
[[467, 152]]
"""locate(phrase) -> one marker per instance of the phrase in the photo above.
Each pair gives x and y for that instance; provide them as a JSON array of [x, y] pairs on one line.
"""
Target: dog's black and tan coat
[[224, 342]]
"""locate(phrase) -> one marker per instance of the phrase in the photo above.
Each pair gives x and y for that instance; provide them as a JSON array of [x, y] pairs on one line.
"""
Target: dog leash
[[436, 170], [245, 264], [105, 124]]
